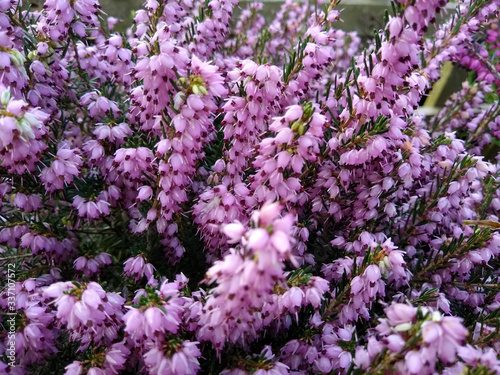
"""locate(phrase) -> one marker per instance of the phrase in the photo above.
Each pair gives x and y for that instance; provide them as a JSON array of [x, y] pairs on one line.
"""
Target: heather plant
[[206, 193]]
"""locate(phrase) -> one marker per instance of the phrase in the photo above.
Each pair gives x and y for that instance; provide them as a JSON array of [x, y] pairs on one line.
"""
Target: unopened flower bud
[[5, 97]]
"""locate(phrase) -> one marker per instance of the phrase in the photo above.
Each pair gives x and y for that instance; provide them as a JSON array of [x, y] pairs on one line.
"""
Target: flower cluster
[[420, 337], [199, 194], [90, 314], [22, 128], [246, 277]]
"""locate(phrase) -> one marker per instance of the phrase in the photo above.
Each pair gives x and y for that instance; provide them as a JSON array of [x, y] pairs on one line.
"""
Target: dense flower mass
[[205, 193]]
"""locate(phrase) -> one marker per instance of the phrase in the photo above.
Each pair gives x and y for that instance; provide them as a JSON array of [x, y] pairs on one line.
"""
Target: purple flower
[[177, 357], [399, 313], [82, 307]]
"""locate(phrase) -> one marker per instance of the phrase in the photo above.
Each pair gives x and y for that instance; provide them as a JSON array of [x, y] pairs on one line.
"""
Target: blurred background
[[362, 16]]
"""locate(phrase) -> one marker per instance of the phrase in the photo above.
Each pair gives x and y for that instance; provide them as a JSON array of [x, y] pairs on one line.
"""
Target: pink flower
[[399, 313], [258, 239], [74, 368], [234, 231], [414, 362], [184, 360], [89, 313], [138, 268]]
